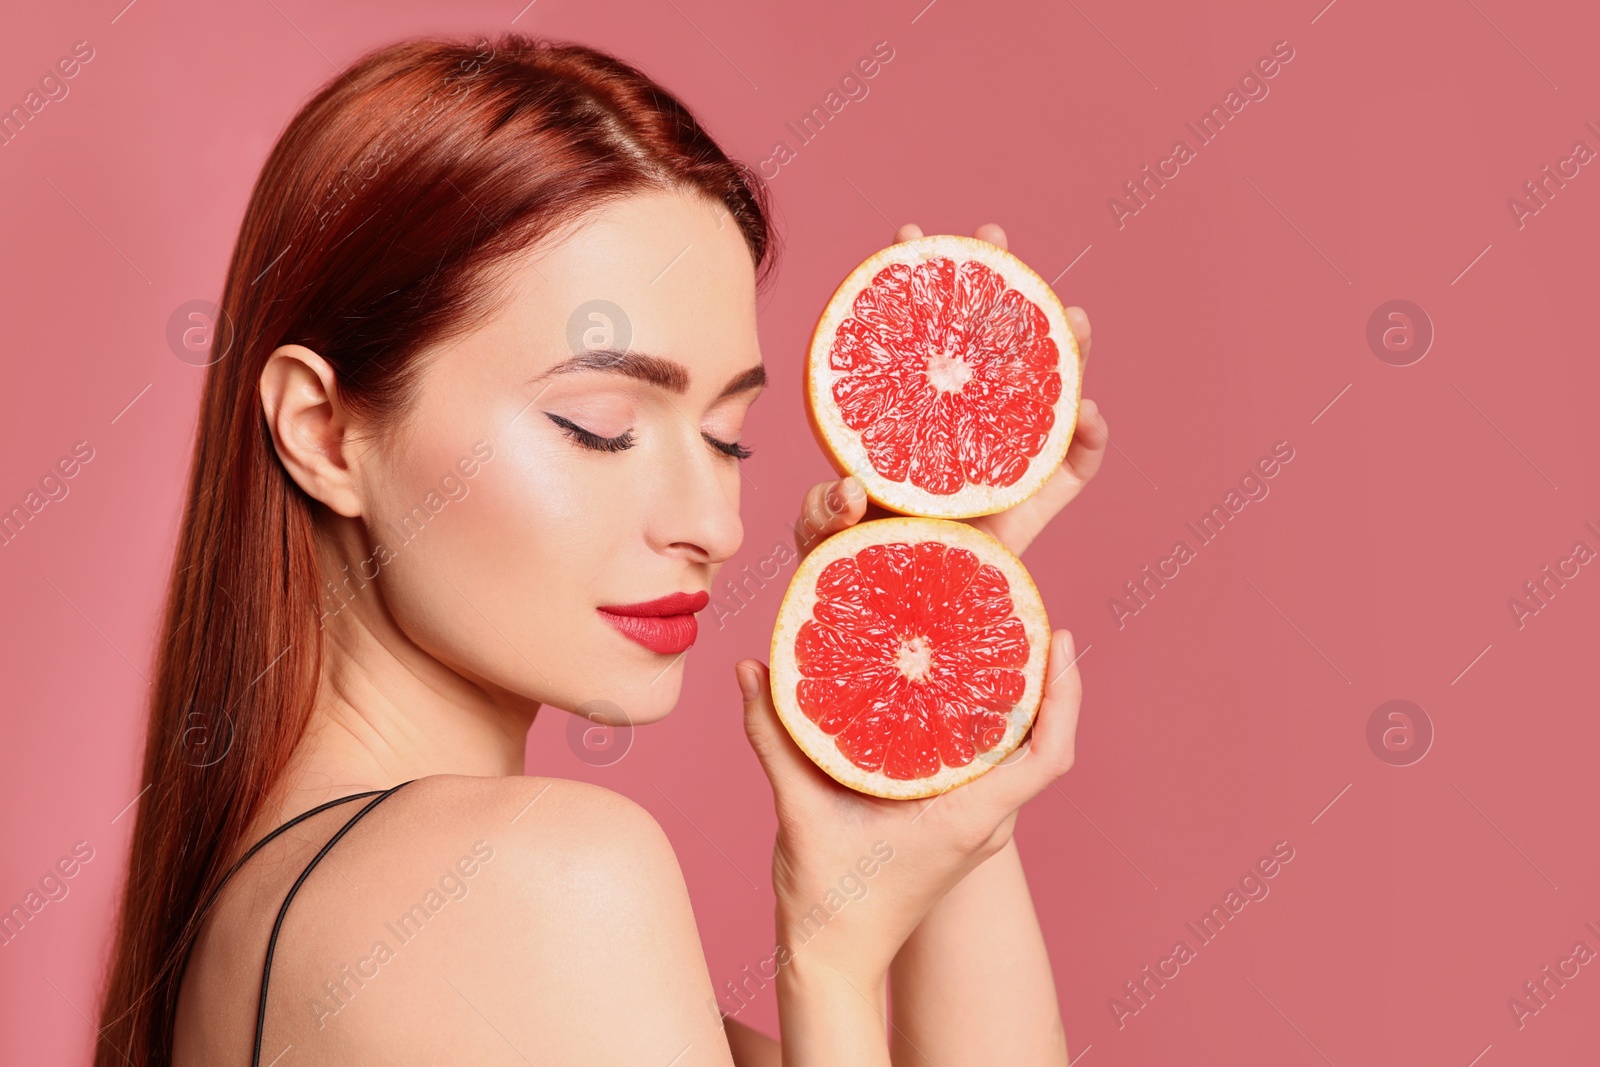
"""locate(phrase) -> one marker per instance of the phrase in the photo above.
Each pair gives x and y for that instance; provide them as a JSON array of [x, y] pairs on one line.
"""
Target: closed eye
[[589, 439], [732, 448]]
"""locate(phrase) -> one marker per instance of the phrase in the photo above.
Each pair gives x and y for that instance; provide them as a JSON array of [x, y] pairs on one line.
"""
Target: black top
[[379, 796]]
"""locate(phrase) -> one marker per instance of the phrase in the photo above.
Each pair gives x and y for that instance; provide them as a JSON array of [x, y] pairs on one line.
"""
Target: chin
[[630, 695], [653, 701]]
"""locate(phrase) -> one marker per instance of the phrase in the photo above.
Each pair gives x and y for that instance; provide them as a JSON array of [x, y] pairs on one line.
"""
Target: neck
[[388, 711]]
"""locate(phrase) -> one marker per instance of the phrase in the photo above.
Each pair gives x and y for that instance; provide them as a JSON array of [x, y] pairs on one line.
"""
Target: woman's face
[[576, 453]]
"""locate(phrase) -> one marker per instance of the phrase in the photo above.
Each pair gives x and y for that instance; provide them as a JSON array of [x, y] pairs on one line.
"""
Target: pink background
[[1227, 715]]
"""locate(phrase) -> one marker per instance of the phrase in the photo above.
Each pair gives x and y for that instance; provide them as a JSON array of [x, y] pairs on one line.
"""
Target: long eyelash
[[732, 448], [592, 440]]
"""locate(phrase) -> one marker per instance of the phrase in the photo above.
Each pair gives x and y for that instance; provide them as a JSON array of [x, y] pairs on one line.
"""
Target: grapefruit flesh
[[909, 655], [944, 375]]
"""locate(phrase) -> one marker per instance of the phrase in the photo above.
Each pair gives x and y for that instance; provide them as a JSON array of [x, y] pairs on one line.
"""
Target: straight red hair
[[372, 234]]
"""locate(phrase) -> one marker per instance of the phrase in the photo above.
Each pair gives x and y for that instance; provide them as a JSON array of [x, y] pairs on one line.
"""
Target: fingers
[[828, 508], [992, 233], [780, 757], [1089, 441], [989, 231], [1016, 527], [1055, 728], [1078, 319], [1051, 747]]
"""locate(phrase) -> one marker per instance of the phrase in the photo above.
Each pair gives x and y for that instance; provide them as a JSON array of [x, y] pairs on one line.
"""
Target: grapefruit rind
[[796, 609], [843, 445]]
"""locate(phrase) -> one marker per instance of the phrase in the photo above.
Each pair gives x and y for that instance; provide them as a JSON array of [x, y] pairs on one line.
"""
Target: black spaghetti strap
[[291, 824], [200, 915], [283, 910]]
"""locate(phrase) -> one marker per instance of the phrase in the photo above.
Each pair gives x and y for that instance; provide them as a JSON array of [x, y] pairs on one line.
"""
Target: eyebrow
[[656, 370]]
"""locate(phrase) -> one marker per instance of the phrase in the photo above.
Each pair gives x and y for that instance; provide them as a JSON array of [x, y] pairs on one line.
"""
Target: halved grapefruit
[[909, 655], [944, 375]]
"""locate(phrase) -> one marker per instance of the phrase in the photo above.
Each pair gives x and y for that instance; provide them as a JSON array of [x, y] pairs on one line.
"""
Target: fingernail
[[852, 488], [1066, 646], [747, 682]]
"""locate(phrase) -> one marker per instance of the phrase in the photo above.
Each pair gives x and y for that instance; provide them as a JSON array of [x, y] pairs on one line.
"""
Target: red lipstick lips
[[666, 624]]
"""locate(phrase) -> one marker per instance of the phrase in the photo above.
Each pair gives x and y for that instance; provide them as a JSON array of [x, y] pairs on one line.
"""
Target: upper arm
[[596, 918], [572, 940]]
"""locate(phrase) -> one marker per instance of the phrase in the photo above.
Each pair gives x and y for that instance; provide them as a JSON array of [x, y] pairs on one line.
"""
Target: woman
[[489, 344]]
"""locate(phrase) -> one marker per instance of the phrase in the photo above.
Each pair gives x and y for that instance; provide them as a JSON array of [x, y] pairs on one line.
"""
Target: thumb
[[780, 757]]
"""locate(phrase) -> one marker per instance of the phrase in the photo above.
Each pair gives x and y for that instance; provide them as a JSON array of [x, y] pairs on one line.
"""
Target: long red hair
[[372, 234]]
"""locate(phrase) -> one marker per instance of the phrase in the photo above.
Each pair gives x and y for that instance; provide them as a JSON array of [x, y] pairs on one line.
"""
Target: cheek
[[501, 584], [543, 523]]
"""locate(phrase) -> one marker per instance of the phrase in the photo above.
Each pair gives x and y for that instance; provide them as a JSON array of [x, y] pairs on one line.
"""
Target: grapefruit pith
[[909, 655], [943, 374]]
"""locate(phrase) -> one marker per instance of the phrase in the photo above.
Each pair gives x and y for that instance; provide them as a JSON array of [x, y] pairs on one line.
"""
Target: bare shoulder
[[572, 849], [533, 811], [491, 920], [568, 933]]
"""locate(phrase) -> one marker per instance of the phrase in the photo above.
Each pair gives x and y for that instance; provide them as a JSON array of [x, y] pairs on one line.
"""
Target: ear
[[310, 429]]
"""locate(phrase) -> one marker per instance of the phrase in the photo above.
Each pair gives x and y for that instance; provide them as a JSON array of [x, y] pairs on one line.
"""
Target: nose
[[695, 506]]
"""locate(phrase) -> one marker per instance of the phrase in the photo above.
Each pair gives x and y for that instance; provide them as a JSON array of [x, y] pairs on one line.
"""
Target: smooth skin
[[480, 915]]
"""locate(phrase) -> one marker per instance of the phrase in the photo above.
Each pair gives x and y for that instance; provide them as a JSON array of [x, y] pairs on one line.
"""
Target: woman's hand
[[833, 505], [856, 875], [834, 917]]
